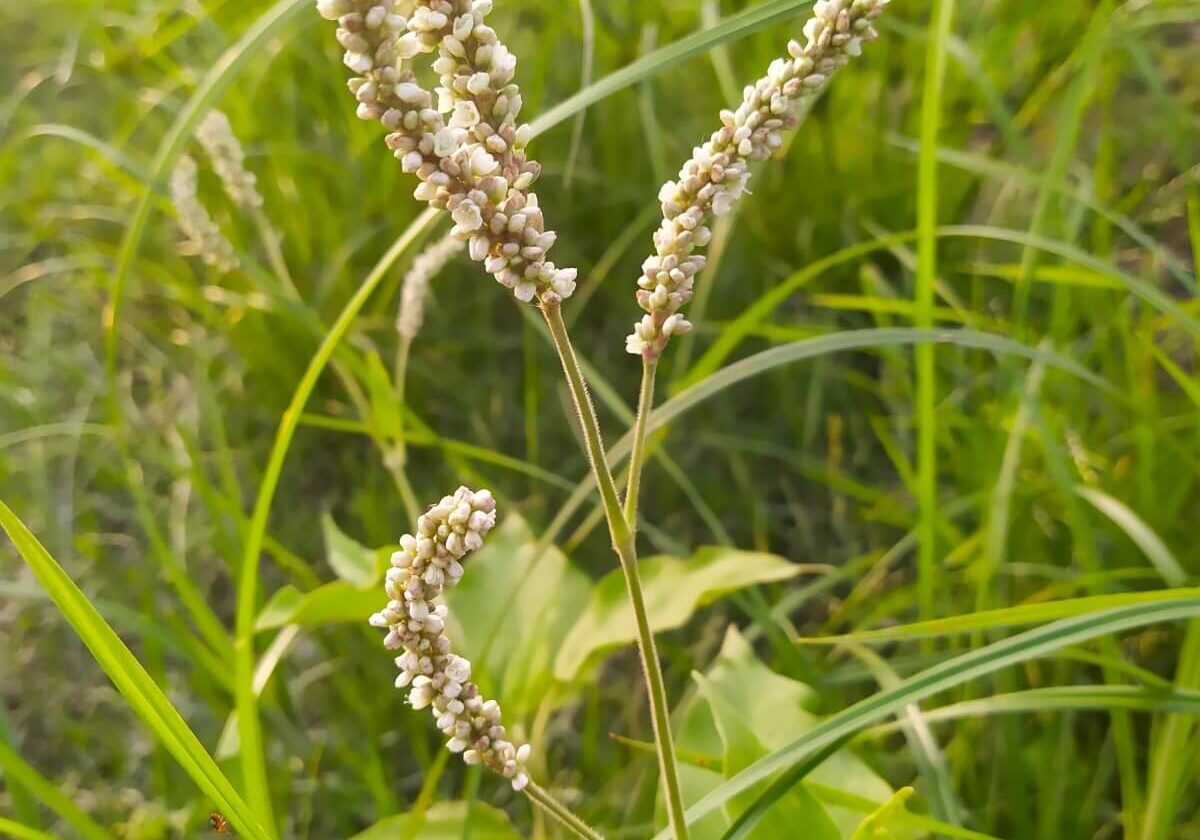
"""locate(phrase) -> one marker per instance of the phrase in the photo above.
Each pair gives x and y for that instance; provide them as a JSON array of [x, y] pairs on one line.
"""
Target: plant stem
[[637, 458], [561, 813], [623, 544]]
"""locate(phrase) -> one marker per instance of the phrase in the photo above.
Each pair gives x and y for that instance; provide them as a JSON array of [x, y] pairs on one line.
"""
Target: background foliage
[[1069, 208]]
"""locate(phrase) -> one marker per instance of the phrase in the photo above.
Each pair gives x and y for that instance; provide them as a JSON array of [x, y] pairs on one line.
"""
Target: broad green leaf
[[742, 748], [673, 588], [351, 561], [1031, 644], [1007, 616], [447, 821], [145, 698], [332, 603], [740, 689], [511, 610], [875, 826]]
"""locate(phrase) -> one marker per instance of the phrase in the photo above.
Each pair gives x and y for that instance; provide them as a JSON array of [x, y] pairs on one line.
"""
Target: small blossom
[[714, 179], [435, 677]]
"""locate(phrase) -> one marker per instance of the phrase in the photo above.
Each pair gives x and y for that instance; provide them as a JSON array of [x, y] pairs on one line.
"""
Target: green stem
[[275, 258], [926, 374], [561, 813], [637, 458], [623, 544], [254, 769], [399, 381]]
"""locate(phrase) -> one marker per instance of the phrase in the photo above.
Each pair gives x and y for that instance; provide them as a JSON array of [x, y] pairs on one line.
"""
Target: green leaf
[[385, 410], [1065, 698], [875, 826], [18, 773], [447, 821], [735, 26], [510, 612], [1136, 529], [960, 669], [673, 589], [350, 560], [9, 828], [329, 604], [741, 749], [1006, 617], [144, 697], [771, 708]]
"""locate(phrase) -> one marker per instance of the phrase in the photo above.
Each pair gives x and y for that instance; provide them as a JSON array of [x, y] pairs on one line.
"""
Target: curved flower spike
[[715, 177], [202, 232], [426, 563], [463, 141], [224, 150], [411, 314]]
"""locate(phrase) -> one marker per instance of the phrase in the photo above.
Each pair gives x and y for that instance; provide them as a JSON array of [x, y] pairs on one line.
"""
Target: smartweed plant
[[466, 146], [141, 363]]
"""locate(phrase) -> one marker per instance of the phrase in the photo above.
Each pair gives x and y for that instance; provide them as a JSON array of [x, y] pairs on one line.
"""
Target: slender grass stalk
[[638, 459], [927, 210], [561, 814], [254, 769], [623, 544]]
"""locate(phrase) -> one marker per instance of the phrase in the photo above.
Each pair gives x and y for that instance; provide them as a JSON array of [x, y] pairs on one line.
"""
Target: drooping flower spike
[[411, 314], [715, 177], [195, 222], [425, 565], [463, 141], [224, 150]]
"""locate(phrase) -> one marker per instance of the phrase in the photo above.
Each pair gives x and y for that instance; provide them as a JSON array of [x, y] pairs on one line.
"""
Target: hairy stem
[[561, 813], [623, 544], [637, 458]]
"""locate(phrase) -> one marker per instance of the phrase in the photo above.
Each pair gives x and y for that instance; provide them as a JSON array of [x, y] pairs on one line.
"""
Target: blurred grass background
[[1066, 164]]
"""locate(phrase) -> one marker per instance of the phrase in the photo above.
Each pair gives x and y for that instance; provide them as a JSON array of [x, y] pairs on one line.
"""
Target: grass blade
[[8, 828], [927, 242], [744, 324], [956, 671], [249, 731], [1138, 531], [17, 771], [1005, 617], [144, 697], [1063, 698], [734, 27]]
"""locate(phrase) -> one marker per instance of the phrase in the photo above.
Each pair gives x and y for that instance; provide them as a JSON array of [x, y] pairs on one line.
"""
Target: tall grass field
[[820, 382]]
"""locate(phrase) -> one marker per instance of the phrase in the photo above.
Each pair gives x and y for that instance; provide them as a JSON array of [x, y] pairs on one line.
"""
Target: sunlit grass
[[946, 364]]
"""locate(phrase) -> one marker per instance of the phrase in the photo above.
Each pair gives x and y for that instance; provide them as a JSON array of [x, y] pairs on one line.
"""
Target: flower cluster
[[425, 267], [462, 140], [202, 232], [224, 151], [425, 564], [715, 177]]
